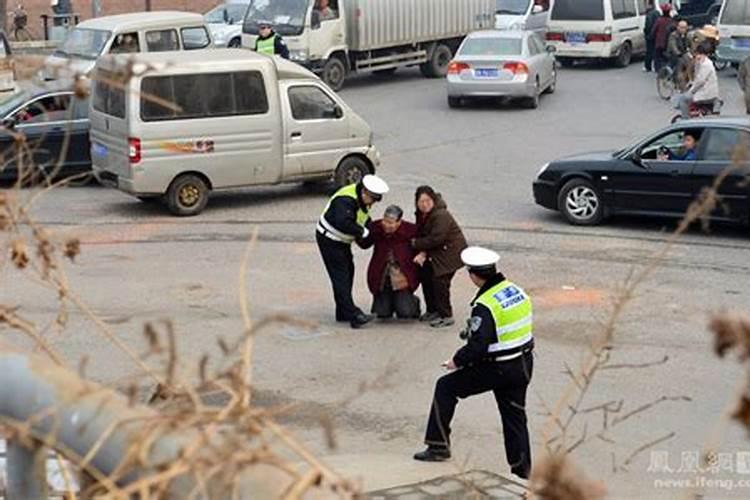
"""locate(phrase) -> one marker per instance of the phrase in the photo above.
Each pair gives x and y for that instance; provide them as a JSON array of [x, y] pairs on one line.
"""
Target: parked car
[[125, 33], [225, 22], [52, 119], [597, 29], [700, 12], [649, 177], [734, 30], [192, 123], [512, 64], [520, 15]]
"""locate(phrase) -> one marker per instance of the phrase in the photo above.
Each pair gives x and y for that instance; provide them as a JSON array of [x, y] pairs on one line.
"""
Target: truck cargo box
[[377, 24]]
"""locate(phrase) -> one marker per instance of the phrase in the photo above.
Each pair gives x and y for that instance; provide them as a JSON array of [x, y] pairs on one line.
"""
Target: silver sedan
[[513, 64]]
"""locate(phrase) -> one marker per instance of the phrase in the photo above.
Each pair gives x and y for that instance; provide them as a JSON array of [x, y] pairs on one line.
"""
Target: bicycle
[[701, 109], [20, 21], [669, 79]]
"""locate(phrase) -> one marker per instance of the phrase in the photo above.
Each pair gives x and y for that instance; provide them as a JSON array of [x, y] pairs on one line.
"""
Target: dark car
[[52, 120], [700, 12], [657, 176]]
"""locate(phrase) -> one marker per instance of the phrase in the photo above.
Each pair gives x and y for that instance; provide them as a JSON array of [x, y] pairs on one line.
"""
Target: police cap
[[479, 258], [375, 185]]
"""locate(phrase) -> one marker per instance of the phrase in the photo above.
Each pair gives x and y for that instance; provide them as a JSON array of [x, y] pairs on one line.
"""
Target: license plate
[[99, 150], [576, 38], [742, 42], [486, 72]]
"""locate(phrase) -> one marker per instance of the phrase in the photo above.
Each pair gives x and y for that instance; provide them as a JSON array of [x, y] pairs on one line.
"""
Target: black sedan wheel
[[580, 202]]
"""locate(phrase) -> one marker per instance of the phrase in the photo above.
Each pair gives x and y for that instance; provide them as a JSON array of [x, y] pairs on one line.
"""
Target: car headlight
[[298, 55], [518, 26], [542, 170]]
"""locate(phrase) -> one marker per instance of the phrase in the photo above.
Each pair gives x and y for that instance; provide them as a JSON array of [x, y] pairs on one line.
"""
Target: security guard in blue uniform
[[344, 221], [497, 357]]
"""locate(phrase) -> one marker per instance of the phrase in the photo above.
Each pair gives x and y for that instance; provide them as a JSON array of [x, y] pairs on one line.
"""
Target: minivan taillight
[[599, 37], [554, 37], [134, 150]]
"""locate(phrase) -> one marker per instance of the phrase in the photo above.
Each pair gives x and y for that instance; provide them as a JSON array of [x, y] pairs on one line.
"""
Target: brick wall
[[36, 8]]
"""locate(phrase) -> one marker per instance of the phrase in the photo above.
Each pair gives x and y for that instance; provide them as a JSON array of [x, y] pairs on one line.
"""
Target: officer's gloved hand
[[365, 233]]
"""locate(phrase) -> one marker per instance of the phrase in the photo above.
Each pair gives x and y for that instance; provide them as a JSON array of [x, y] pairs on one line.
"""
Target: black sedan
[[52, 120], [659, 175]]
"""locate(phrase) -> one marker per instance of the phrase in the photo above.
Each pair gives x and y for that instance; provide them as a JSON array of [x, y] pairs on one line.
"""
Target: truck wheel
[[350, 171], [334, 73], [437, 65], [187, 195]]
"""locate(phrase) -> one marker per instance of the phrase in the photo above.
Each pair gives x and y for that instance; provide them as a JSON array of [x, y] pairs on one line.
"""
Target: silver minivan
[[185, 124], [156, 31]]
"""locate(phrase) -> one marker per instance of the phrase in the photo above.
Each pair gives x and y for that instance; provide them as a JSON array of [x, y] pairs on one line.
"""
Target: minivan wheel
[[187, 195], [580, 203], [235, 43], [624, 57], [334, 73], [350, 171]]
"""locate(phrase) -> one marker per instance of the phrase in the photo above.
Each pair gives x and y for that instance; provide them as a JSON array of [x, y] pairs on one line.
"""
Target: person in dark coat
[[392, 275], [439, 242], [660, 33], [652, 14]]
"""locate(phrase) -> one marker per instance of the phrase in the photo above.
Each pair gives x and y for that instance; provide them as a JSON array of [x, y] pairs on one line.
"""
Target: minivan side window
[[622, 9], [162, 41], [577, 10], [195, 38], [125, 43], [736, 12], [180, 97], [311, 103], [109, 94]]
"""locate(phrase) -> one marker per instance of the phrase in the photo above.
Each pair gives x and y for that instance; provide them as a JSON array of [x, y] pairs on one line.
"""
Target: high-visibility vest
[[511, 310], [349, 191], [267, 46]]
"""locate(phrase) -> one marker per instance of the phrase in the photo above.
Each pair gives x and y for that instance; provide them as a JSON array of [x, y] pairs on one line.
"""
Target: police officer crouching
[[497, 357], [345, 220], [269, 42]]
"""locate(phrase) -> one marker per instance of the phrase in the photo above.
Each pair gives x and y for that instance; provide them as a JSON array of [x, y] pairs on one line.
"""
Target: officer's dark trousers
[[339, 263], [508, 381]]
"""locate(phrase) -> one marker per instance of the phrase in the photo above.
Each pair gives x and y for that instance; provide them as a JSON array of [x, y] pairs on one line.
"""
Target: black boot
[[433, 454], [361, 320]]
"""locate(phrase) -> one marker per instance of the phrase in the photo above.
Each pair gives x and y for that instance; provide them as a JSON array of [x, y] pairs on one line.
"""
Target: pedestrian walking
[[269, 42], [497, 357], [439, 242], [660, 33], [652, 14], [345, 220], [743, 78], [392, 275]]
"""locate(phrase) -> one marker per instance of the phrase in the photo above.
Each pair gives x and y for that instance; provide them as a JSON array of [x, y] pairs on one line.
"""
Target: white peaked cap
[[375, 184], [476, 257]]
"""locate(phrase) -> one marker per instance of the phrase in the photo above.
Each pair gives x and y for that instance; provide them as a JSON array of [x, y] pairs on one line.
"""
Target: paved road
[[139, 264]]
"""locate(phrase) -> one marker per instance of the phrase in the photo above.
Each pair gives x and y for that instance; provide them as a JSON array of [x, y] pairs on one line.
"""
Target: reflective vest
[[511, 311], [267, 46], [349, 191]]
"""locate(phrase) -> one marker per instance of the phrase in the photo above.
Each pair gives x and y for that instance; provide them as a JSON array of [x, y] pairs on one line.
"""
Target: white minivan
[[734, 30], [156, 31], [597, 29], [185, 124], [521, 15]]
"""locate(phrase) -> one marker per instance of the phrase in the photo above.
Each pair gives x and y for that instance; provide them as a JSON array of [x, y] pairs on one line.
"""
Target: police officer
[[345, 220], [269, 42], [497, 357]]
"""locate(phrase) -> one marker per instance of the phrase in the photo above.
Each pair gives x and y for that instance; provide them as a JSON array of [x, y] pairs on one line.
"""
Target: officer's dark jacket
[[342, 214], [483, 331], [279, 45]]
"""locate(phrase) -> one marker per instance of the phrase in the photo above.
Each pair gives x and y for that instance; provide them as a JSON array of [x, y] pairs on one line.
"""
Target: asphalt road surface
[[139, 264]]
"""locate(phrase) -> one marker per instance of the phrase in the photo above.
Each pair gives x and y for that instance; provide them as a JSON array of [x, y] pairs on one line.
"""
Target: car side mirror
[[338, 112], [537, 9], [225, 16], [551, 49], [315, 20], [636, 158], [9, 123]]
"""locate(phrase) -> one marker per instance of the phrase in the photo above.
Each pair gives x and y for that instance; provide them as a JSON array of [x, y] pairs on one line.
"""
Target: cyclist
[[704, 89]]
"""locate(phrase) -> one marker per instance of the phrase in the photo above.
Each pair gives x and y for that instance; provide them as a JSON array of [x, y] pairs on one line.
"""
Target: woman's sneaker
[[442, 323], [429, 317]]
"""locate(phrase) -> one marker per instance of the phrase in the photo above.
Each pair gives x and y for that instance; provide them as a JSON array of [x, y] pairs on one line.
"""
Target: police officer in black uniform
[[344, 221], [497, 357]]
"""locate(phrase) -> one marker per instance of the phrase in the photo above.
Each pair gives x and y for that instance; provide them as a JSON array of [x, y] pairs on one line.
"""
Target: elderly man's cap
[[375, 185], [479, 258]]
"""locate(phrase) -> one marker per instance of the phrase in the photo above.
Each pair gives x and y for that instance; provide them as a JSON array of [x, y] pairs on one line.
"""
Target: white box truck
[[336, 38]]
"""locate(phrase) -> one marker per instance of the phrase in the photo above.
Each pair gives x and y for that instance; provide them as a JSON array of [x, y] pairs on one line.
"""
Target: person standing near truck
[[269, 42]]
